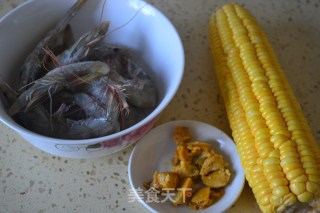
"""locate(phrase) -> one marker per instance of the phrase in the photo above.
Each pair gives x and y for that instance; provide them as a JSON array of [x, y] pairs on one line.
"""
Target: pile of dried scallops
[[198, 176]]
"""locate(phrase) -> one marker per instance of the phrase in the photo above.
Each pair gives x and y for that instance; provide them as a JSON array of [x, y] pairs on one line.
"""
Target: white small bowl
[[155, 151], [133, 23]]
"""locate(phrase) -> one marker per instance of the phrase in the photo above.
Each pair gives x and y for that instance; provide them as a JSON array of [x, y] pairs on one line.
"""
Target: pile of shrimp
[[79, 89]]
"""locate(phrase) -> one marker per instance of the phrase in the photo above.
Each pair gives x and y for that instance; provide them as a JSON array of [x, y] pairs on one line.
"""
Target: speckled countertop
[[34, 181]]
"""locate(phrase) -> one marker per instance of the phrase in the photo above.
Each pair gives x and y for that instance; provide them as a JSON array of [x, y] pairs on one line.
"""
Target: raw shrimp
[[93, 108], [32, 65], [41, 125], [57, 79], [99, 120], [135, 115], [64, 41], [112, 54], [83, 89], [141, 92], [138, 88], [80, 49], [89, 128], [8, 94]]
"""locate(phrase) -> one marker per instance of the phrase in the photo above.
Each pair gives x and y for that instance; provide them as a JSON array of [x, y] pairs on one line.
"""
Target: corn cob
[[278, 152]]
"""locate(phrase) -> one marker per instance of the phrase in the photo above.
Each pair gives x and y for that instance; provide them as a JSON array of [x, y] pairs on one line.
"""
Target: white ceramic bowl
[[155, 151], [138, 25]]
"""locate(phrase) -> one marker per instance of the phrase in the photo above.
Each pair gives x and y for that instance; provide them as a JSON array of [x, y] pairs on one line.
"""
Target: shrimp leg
[[57, 79], [32, 64]]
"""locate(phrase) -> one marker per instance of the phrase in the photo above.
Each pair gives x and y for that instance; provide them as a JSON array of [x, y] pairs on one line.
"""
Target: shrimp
[[108, 52], [141, 92], [57, 79], [32, 65], [41, 125], [79, 50], [8, 94], [80, 89], [104, 87], [66, 40], [138, 88], [98, 121], [89, 128], [93, 108], [135, 115], [108, 93]]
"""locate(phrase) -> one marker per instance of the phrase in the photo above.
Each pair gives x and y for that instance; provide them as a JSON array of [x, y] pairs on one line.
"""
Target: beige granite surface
[[34, 181]]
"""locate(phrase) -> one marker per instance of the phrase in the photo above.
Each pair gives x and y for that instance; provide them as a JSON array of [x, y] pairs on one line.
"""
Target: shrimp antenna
[[102, 9], [50, 109], [117, 28]]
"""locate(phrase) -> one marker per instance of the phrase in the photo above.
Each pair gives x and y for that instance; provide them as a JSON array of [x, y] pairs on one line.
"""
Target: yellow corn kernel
[[300, 179], [314, 178], [294, 173], [313, 188], [275, 182], [275, 174], [287, 167], [298, 188], [280, 191], [305, 197]]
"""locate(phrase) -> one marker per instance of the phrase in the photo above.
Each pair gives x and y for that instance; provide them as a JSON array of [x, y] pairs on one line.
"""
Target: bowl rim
[[158, 109]]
